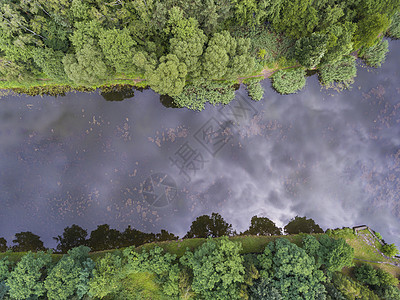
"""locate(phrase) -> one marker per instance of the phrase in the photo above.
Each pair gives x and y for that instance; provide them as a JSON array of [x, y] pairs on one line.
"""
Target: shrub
[[374, 56], [342, 71], [289, 81], [394, 29], [390, 250], [255, 91]]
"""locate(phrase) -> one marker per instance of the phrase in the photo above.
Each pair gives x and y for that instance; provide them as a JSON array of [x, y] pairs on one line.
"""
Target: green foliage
[[226, 57], [262, 226], [217, 269], [394, 29], [103, 238], [368, 30], [374, 56], [4, 273], [351, 289], [25, 281], [3, 245], [291, 271], [118, 48], [106, 277], [289, 81], [342, 71], [157, 262], [255, 91], [209, 226], [72, 237], [390, 250], [194, 96], [302, 224], [378, 235], [310, 50], [87, 66], [68, 277], [340, 42], [27, 241], [50, 62], [169, 77], [335, 254]]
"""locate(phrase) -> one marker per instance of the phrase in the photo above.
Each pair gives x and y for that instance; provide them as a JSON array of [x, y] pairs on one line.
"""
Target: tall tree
[[72, 237], [132, 237], [262, 226], [104, 238], [3, 244], [206, 226], [169, 77], [302, 224], [27, 241]]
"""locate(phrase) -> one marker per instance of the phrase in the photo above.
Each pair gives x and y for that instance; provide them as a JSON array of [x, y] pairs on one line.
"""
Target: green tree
[[132, 237], [63, 280], [291, 271], [390, 250], [157, 262], [119, 49], [366, 274], [164, 235], [340, 42], [25, 281], [369, 29], [217, 269], [262, 226], [209, 226], [297, 18], [169, 77], [106, 280], [72, 237], [50, 62], [335, 254], [351, 289], [289, 81], [104, 238], [4, 273], [3, 244], [310, 50], [87, 66], [27, 241], [302, 224]]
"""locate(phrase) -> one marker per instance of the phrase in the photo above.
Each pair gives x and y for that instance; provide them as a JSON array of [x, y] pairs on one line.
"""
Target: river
[[78, 159]]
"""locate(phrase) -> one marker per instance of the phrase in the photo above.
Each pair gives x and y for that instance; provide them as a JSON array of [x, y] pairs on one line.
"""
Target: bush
[[196, 95], [374, 56], [289, 81], [342, 71], [394, 29], [255, 91]]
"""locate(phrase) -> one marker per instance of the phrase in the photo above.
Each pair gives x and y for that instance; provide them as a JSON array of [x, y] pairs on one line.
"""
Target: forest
[[305, 263], [194, 51]]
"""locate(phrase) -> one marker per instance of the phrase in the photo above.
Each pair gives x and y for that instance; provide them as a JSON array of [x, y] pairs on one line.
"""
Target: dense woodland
[[194, 51], [307, 268]]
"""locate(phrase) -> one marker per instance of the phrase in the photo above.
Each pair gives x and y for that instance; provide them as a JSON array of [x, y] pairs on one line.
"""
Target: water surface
[[334, 157]]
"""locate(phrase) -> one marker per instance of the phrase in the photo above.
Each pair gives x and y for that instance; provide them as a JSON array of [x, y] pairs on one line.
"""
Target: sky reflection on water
[[79, 159]]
